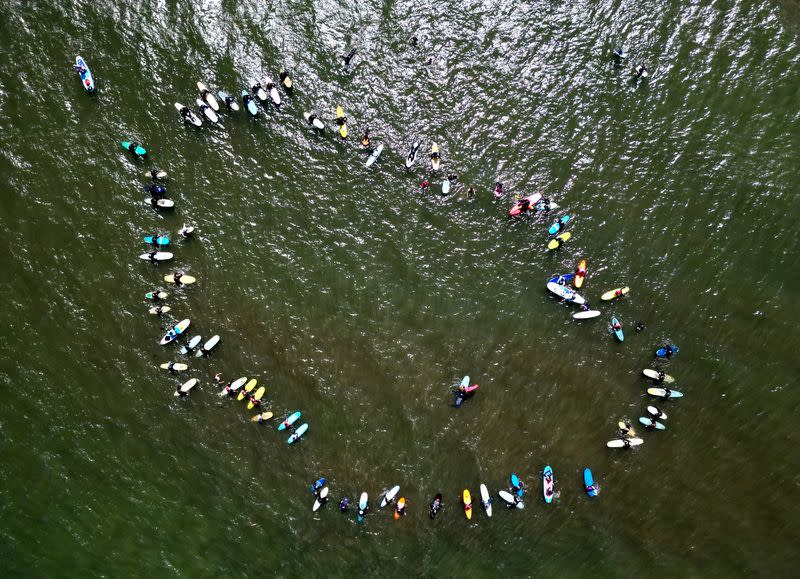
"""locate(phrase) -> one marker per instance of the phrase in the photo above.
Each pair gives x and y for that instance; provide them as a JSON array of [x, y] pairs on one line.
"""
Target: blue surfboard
[[588, 482], [558, 224], [517, 484], [562, 279], [662, 352], [320, 482], [160, 240], [618, 333]]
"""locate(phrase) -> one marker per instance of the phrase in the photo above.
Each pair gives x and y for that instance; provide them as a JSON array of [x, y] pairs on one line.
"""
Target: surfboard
[[160, 203], [258, 396], [301, 430], [516, 209], [435, 159], [153, 240], [363, 504], [565, 293], [588, 483], [247, 389], [158, 310], [654, 375], [445, 186], [159, 256], [650, 422], [235, 385], [516, 484], [389, 496], [273, 92], [620, 442], [321, 499], [412, 154], [193, 343], [563, 237], [184, 389], [661, 392], [207, 111], [341, 120], [207, 96], [548, 486], [251, 105], [208, 346], [185, 279], [486, 500], [289, 421], [580, 273], [190, 117], [558, 224], [588, 314], [176, 331], [374, 155], [615, 293], [156, 174], [154, 296], [509, 498], [316, 123], [401, 505], [562, 279], [229, 100], [257, 90], [139, 150], [87, 80], [617, 332], [176, 366], [467, 500], [549, 207], [662, 352], [657, 413], [263, 415]]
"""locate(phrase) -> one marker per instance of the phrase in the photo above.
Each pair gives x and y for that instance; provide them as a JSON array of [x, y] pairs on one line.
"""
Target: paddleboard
[[249, 103], [207, 111], [663, 393], [563, 237], [657, 413], [445, 186], [563, 279], [558, 224], [389, 496], [321, 499], [580, 273], [139, 150], [257, 90], [184, 389], [247, 389], [486, 500], [548, 484], [662, 352], [87, 80], [176, 366], [159, 256], [516, 485], [341, 120], [586, 315], [289, 421], [412, 154], [160, 203], [156, 296], [273, 92], [207, 96], [176, 331], [153, 240], [258, 396], [565, 293], [235, 385], [301, 430], [229, 100], [190, 117], [399, 509], [588, 483], [517, 208], [615, 293], [262, 415], [435, 159], [208, 346], [316, 123], [193, 343], [467, 499], [374, 155], [185, 279], [620, 442], [650, 422], [158, 310], [654, 375], [617, 332]]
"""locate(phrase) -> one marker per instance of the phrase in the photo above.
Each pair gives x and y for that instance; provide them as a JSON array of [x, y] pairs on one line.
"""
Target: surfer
[[498, 190], [639, 326], [186, 230], [400, 508], [365, 138], [641, 71], [349, 56], [425, 185], [344, 504]]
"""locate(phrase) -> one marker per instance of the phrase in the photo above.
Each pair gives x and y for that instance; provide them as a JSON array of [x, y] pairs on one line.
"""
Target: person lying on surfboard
[[365, 138], [498, 190]]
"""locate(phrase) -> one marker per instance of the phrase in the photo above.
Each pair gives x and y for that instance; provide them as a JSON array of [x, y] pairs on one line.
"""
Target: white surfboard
[[176, 366], [362, 502], [190, 117], [207, 111], [654, 375], [486, 500], [193, 343], [208, 346], [323, 494], [389, 496], [653, 411], [159, 256], [235, 385], [586, 315], [620, 443], [374, 155], [210, 99], [273, 92], [257, 90], [565, 293], [188, 385], [316, 123], [158, 310], [161, 203]]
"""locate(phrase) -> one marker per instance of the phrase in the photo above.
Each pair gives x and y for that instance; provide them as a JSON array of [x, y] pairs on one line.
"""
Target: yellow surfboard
[[185, 279], [258, 395], [263, 416], [178, 367], [580, 273], [247, 389], [342, 125], [467, 498], [615, 293], [435, 159], [554, 243]]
